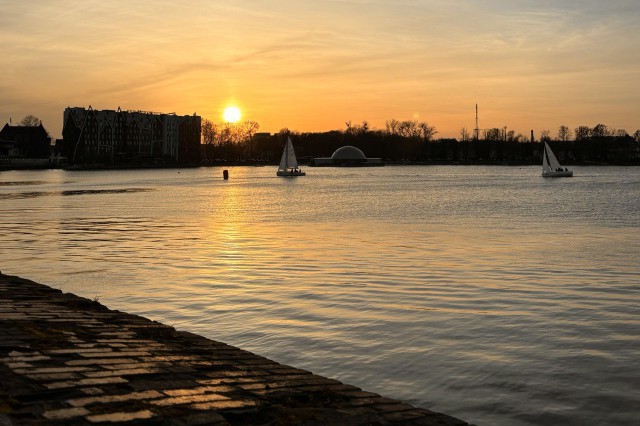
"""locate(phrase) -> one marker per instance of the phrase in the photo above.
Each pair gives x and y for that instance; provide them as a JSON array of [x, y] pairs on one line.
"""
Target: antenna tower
[[476, 131]]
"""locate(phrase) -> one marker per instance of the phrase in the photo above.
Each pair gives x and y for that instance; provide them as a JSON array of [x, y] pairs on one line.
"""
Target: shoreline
[[66, 359], [4, 168]]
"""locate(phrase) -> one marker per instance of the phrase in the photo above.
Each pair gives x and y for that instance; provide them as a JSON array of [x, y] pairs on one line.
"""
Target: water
[[487, 293]]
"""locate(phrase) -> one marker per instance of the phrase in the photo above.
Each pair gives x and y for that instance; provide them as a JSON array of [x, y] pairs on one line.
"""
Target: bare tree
[[564, 133], [600, 130], [464, 134], [545, 136], [411, 129], [31, 121], [428, 132], [357, 129], [582, 133], [492, 134], [209, 131], [249, 129], [392, 126]]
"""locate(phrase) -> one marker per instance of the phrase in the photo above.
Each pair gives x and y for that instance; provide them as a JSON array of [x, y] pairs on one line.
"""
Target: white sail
[[292, 162], [288, 160], [550, 162], [283, 160], [551, 166]]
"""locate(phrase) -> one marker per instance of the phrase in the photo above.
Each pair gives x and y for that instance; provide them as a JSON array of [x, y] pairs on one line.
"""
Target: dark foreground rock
[[69, 360]]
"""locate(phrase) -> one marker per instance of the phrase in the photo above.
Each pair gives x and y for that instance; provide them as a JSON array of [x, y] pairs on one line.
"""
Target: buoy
[[225, 174]]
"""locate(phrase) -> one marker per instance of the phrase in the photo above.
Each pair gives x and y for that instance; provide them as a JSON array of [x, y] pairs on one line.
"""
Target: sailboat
[[550, 165], [288, 162]]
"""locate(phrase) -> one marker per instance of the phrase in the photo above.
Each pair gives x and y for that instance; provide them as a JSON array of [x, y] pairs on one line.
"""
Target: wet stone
[[123, 372], [52, 370], [65, 413], [100, 361], [81, 402], [224, 405], [92, 391], [113, 354], [198, 390], [120, 416], [190, 399], [53, 376], [84, 382], [67, 360]]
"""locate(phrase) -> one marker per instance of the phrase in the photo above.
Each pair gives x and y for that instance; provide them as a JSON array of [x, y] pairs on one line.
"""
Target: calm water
[[488, 293]]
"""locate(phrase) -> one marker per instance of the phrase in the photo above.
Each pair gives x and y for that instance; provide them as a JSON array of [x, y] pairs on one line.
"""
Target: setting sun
[[231, 114]]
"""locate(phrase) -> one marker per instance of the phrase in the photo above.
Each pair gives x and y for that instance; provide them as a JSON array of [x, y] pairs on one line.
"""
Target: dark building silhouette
[[116, 137], [25, 141]]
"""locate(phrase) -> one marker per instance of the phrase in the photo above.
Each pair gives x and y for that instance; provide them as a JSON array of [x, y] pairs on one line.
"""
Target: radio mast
[[476, 131]]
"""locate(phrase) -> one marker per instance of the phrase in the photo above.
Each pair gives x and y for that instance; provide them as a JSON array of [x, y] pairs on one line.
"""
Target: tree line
[[413, 141]]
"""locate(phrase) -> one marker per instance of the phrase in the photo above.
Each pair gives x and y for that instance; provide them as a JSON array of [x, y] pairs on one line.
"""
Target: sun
[[231, 114]]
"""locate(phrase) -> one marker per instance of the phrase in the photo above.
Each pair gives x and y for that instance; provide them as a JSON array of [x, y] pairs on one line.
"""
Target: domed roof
[[348, 153]]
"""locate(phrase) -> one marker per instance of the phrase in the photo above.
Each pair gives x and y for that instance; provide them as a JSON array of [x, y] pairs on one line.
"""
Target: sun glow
[[231, 114]]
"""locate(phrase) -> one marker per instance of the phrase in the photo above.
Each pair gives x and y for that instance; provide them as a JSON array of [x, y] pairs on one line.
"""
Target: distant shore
[[88, 167]]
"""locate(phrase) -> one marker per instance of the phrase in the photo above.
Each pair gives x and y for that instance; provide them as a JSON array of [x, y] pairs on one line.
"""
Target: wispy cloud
[[312, 65]]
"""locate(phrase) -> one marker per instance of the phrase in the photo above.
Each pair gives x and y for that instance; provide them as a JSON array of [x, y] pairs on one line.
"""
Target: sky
[[315, 65]]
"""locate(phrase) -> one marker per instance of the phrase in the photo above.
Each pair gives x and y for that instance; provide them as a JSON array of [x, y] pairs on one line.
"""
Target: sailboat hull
[[567, 173], [291, 173]]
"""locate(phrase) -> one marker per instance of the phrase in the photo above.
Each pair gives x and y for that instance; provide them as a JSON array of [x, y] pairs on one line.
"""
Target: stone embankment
[[69, 360]]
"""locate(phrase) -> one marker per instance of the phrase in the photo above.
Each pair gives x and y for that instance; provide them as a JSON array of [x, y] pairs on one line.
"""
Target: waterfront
[[488, 293]]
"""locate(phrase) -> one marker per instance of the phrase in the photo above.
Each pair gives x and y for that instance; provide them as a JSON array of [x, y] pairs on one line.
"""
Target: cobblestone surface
[[69, 360]]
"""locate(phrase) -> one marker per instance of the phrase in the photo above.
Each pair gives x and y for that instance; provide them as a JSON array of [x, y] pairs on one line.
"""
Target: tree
[[427, 131], [248, 129], [209, 139], [636, 135], [209, 131], [465, 136], [494, 134], [357, 129], [545, 136], [582, 133], [601, 130], [31, 121], [392, 126], [564, 133], [410, 129]]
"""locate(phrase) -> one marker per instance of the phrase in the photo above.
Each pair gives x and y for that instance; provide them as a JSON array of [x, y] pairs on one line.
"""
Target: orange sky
[[312, 66]]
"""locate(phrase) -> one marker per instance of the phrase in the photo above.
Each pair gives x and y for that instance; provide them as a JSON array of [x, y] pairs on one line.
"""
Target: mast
[[476, 131]]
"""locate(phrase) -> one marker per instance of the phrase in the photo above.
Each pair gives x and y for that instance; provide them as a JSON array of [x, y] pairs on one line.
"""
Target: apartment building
[[116, 137]]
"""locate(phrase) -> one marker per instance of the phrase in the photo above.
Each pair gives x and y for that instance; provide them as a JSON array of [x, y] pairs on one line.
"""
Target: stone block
[[124, 372], [106, 399], [222, 405], [106, 354], [120, 417], [189, 399], [65, 413], [85, 382], [100, 361]]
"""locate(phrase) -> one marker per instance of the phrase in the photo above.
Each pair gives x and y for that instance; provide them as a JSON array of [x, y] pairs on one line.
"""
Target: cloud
[[373, 57]]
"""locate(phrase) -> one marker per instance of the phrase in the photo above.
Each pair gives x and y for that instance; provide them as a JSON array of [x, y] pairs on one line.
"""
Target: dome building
[[347, 156]]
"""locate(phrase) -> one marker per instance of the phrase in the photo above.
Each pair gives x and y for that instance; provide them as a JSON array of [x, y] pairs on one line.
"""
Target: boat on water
[[551, 166], [288, 162]]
